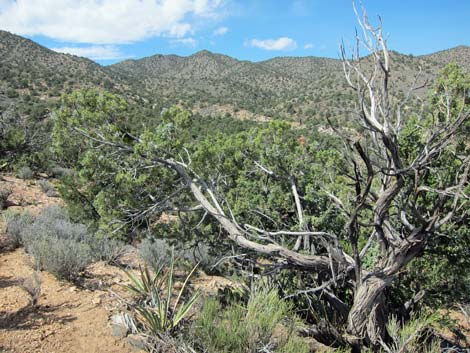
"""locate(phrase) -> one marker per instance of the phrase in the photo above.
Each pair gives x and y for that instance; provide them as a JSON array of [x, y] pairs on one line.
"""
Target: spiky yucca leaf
[[144, 284], [155, 312]]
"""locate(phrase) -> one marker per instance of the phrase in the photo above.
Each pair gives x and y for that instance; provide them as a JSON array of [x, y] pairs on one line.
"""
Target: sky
[[108, 31]]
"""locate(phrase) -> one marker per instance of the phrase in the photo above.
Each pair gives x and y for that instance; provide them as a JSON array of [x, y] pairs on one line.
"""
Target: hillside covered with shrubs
[[338, 212]]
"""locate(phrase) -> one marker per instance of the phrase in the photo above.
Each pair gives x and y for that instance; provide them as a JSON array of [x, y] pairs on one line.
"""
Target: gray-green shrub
[[104, 248], [64, 258], [47, 188], [16, 223], [155, 252], [24, 173], [4, 194], [57, 244], [59, 172]]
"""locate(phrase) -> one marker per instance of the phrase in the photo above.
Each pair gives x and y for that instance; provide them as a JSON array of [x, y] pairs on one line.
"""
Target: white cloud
[[94, 52], [190, 42], [105, 21], [308, 46], [282, 43], [220, 31]]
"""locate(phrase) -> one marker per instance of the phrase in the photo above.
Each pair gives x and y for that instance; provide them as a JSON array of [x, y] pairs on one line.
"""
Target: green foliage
[[120, 174], [23, 138], [156, 312], [83, 112], [11, 93], [143, 285], [233, 157], [414, 335], [266, 322], [439, 271]]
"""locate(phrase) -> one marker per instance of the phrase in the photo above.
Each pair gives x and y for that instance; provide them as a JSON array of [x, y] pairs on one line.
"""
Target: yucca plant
[[154, 310], [143, 284]]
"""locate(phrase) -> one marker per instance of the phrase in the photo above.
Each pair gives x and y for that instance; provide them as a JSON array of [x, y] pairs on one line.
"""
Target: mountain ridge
[[286, 87], [207, 51]]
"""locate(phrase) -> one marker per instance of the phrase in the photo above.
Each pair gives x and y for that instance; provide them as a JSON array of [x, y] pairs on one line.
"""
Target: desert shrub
[[16, 223], [24, 173], [64, 258], [47, 188], [32, 286], [56, 244], [241, 329], [104, 248], [59, 172], [219, 329], [415, 336], [54, 222], [155, 252], [294, 344], [4, 194], [200, 255]]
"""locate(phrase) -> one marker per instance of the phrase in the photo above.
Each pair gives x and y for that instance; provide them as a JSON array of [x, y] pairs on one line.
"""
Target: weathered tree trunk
[[367, 319]]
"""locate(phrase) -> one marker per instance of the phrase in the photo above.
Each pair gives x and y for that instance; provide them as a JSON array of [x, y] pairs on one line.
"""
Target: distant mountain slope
[[298, 88], [286, 87], [30, 67], [32, 77], [265, 88], [459, 55]]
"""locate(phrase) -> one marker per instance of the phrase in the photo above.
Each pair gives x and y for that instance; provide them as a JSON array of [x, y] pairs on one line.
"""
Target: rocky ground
[[67, 317]]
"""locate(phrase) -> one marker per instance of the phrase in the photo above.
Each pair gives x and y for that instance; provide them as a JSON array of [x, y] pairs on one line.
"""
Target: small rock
[[137, 342], [98, 299], [119, 326], [119, 330], [72, 289]]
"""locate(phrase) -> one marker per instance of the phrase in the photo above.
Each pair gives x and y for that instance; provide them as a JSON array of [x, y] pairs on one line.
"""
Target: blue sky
[[112, 30]]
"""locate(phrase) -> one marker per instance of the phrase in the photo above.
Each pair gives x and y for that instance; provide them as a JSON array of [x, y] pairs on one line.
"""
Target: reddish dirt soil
[[66, 318]]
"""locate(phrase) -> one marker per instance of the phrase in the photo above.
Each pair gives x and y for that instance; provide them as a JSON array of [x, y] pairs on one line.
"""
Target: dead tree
[[400, 226]]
